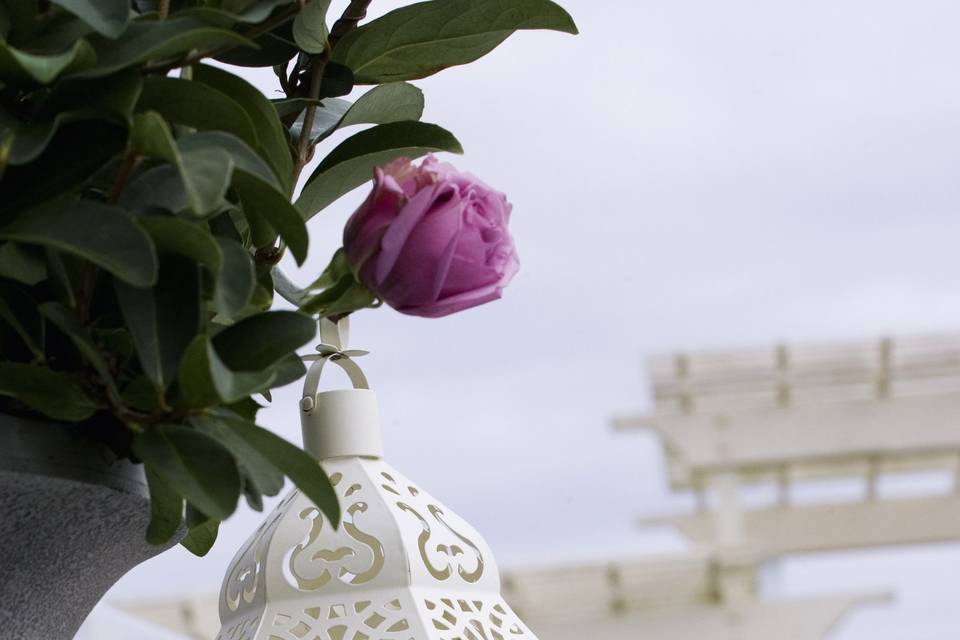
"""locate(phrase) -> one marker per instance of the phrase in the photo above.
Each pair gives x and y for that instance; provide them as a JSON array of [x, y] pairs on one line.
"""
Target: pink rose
[[431, 241]]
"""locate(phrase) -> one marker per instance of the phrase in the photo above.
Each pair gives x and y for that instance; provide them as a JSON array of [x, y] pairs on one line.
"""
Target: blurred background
[[684, 175]]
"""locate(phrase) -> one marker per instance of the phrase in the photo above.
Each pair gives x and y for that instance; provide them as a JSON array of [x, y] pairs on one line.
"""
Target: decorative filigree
[[474, 620], [326, 553], [360, 620], [442, 548], [246, 576], [242, 630]]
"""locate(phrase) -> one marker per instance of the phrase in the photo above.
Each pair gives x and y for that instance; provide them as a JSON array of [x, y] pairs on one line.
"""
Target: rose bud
[[431, 241]]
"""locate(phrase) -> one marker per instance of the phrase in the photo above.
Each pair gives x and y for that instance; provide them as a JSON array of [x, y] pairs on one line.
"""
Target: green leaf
[[164, 319], [106, 17], [288, 106], [19, 310], [60, 281], [103, 234], [201, 538], [244, 158], [149, 39], [391, 102], [236, 280], [194, 465], [186, 238], [227, 12], [326, 118], [252, 494], [196, 105], [267, 478], [166, 509], [261, 200], [21, 263], [227, 261], [287, 370], [158, 189], [55, 394], [246, 408], [351, 163], [310, 26], [205, 171], [420, 39], [337, 81], [20, 66], [79, 335], [274, 47], [110, 98], [77, 152], [296, 464], [274, 145], [141, 394], [204, 380], [264, 339]]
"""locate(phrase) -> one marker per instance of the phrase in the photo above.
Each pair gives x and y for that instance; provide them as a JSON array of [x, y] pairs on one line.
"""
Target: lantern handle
[[333, 340]]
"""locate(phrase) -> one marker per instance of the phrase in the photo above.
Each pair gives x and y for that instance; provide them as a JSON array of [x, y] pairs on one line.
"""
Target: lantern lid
[[340, 422]]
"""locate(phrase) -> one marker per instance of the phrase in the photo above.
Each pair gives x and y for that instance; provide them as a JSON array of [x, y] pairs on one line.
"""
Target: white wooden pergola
[[785, 415], [856, 410]]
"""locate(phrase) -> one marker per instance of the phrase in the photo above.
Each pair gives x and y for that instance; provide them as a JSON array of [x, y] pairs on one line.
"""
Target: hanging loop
[[332, 348]]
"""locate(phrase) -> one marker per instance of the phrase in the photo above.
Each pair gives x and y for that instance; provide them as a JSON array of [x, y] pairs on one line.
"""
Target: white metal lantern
[[401, 566]]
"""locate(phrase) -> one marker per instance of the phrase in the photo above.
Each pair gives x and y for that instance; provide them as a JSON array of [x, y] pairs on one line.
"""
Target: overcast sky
[[683, 174]]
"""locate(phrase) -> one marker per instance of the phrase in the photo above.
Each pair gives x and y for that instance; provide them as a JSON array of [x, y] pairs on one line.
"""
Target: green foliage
[[166, 509], [310, 27], [147, 198], [106, 17], [106, 235], [194, 465], [201, 536], [420, 39]]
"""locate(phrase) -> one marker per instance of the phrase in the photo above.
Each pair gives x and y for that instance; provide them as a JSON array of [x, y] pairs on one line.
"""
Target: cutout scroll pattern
[[246, 576], [243, 630], [359, 620], [443, 549], [349, 554], [474, 620]]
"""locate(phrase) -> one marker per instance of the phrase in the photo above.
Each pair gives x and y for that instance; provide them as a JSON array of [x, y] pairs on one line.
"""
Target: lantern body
[[400, 567]]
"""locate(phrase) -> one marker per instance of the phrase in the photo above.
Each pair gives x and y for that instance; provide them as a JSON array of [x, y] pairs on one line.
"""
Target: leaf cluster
[[147, 193]]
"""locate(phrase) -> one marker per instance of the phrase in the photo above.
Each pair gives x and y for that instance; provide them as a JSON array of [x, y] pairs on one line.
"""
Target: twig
[[123, 175], [352, 15], [304, 148]]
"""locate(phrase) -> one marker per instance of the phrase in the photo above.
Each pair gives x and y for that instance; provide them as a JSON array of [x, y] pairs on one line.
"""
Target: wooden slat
[[821, 434], [829, 527], [592, 590], [783, 375], [802, 619]]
